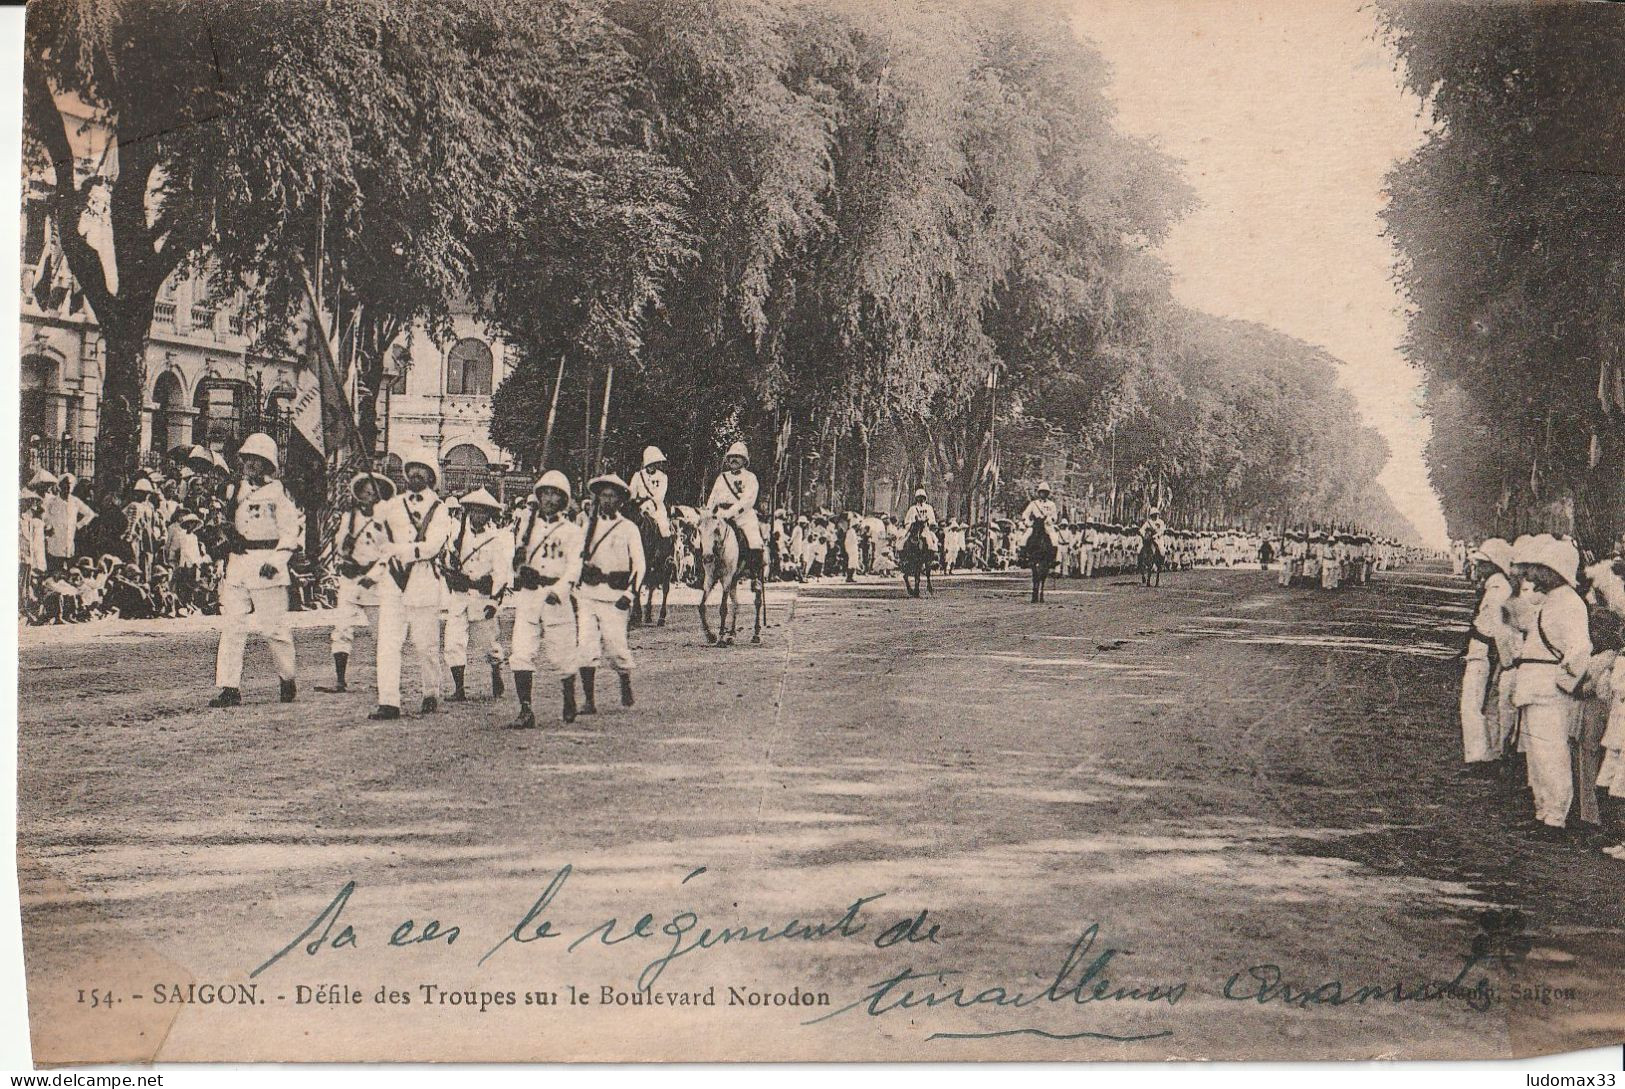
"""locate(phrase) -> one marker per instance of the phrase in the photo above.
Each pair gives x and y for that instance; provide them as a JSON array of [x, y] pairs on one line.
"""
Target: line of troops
[[1331, 560], [1543, 683], [409, 568]]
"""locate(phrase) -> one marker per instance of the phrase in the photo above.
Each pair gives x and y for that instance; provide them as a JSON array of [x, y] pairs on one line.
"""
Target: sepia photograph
[[821, 530]]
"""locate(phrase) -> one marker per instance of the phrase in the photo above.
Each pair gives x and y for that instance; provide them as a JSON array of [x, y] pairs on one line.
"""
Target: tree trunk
[[124, 385]]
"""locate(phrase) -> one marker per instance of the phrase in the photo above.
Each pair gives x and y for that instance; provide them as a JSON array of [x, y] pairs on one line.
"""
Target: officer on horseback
[[922, 515], [648, 487], [733, 497], [1042, 507], [1154, 529]]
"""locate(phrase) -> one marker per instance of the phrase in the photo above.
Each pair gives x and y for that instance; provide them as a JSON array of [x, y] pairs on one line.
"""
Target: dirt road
[[1194, 821]]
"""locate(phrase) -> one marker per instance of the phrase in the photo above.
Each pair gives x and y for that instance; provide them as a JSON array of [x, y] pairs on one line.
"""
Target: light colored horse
[[721, 566]]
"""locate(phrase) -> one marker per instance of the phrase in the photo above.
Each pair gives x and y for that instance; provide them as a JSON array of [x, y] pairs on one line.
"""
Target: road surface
[[1195, 821]]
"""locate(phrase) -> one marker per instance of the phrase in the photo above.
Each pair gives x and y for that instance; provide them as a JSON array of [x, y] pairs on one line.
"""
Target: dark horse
[[1038, 554], [1151, 562], [914, 560], [660, 567]]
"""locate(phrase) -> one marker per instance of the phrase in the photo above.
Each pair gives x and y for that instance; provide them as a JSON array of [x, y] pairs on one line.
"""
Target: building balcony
[[163, 314]]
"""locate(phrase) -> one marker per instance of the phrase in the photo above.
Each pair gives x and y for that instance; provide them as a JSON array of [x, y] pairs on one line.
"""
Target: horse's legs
[[705, 622], [928, 587], [758, 588], [665, 592]]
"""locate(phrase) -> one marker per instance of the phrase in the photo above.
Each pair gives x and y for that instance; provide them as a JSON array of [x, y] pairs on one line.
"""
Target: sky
[[1286, 114]]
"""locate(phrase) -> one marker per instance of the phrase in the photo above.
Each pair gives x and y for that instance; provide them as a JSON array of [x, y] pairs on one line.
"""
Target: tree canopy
[[1512, 252], [815, 226]]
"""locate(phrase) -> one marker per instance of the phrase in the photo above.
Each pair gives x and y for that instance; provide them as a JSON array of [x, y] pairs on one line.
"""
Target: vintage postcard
[[704, 530]]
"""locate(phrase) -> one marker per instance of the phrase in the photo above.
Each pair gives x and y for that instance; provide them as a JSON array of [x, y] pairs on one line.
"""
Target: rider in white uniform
[[1154, 527], [925, 515], [733, 496], [1042, 506], [648, 486]]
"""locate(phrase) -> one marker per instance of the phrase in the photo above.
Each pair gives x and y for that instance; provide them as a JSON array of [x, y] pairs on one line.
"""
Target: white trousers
[[467, 623], [1551, 779], [550, 630], [349, 616], [602, 635], [396, 623], [752, 527], [1480, 733], [243, 610]]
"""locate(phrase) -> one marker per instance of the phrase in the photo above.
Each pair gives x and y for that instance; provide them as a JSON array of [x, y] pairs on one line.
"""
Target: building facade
[[205, 383]]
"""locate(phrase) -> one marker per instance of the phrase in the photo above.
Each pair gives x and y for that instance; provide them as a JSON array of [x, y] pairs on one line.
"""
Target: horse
[[1151, 562], [722, 552], [660, 559], [913, 560], [1038, 554]]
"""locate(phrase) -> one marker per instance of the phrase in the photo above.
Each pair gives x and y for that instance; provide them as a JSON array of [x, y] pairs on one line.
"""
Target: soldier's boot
[[228, 697], [626, 689], [341, 666], [385, 712], [521, 685], [497, 687], [588, 675], [457, 693], [430, 705], [287, 690], [568, 686]]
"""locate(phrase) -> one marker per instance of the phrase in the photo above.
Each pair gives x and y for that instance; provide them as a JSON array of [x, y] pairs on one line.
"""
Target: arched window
[[465, 467], [168, 421], [467, 457], [219, 404], [468, 368]]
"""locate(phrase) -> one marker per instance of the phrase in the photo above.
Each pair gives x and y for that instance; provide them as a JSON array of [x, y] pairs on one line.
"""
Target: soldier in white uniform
[[547, 567], [1491, 648], [1551, 663], [478, 570], [925, 514], [611, 563], [418, 528], [263, 532], [359, 532], [1041, 506], [733, 496], [648, 486]]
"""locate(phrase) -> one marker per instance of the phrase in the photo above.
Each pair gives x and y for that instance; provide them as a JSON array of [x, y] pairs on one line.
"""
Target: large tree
[[1510, 243], [149, 82]]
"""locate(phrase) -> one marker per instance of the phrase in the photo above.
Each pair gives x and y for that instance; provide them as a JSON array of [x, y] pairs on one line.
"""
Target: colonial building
[[205, 384]]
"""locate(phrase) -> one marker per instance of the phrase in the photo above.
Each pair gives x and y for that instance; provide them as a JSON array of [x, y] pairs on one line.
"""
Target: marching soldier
[[648, 487], [417, 527], [547, 567], [478, 570], [262, 532], [733, 496], [359, 534], [611, 563]]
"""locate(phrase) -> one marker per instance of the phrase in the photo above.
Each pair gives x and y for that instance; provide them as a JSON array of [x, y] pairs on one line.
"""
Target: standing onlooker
[[1551, 663], [1491, 648], [65, 514]]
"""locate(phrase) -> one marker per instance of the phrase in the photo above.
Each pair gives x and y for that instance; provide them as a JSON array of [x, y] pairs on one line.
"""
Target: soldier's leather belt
[[615, 580], [249, 544]]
